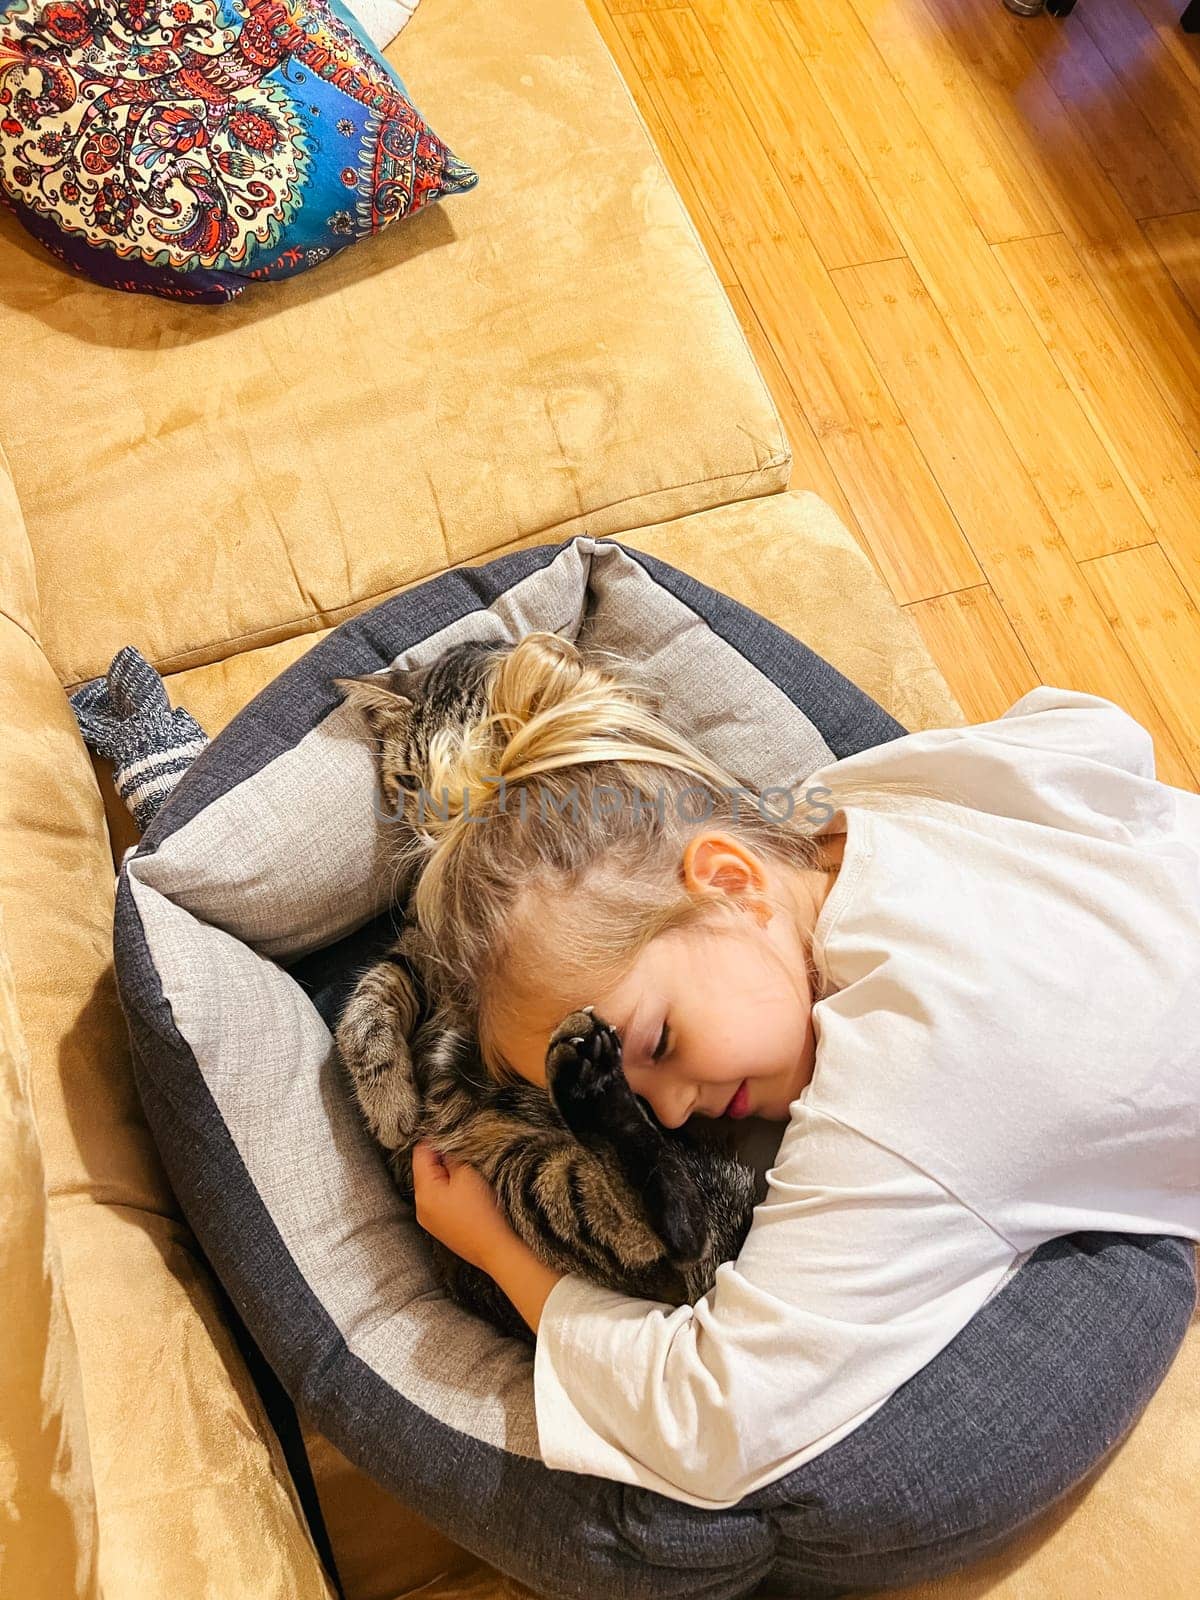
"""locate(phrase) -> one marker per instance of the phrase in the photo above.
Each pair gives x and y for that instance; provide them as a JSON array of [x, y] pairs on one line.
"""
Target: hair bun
[[552, 707], [544, 673], [540, 671]]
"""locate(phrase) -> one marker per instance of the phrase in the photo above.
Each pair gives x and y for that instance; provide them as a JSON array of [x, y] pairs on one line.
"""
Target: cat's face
[[405, 706]]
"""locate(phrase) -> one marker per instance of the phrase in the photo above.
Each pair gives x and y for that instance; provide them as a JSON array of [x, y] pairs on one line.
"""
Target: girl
[[971, 992]]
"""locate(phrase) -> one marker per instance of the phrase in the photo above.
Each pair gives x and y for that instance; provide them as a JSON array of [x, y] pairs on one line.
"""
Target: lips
[[739, 1106]]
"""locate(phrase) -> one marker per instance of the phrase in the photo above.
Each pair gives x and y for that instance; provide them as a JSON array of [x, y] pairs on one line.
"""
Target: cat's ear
[[381, 698]]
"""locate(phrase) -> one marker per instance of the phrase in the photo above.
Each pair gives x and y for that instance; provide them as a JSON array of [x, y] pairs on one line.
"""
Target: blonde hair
[[501, 874]]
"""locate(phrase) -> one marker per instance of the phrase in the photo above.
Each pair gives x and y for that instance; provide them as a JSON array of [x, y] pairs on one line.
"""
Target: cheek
[[733, 1045], [766, 1038]]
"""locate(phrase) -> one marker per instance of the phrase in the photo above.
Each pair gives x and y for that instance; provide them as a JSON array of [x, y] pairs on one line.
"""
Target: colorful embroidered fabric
[[189, 147]]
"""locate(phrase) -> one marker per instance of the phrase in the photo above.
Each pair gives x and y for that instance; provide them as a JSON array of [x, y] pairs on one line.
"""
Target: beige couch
[[548, 354]]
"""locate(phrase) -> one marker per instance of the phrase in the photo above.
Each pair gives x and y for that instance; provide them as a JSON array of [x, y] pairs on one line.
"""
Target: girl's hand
[[458, 1205]]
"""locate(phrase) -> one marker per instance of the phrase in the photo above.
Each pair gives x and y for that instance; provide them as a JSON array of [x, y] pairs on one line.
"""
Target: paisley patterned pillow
[[188, 147]]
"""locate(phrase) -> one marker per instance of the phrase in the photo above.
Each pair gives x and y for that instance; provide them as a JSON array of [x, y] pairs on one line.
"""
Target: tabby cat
[[586, 1174]]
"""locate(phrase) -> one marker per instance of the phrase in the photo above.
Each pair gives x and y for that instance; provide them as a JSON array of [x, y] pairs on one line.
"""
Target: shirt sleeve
[[858, 1268], [1084, 726], [1056, 757]]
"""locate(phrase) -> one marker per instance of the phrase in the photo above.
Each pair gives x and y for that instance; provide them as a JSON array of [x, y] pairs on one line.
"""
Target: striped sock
[[127, 718]]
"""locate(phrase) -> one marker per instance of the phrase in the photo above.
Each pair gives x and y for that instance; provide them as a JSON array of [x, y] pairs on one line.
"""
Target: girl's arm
[[525, 1280], [858, 1269], [458, 1206], [1085, 726]]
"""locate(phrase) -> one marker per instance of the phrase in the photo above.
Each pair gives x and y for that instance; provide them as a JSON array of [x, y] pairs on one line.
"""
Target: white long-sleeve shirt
[[1011, 1053]]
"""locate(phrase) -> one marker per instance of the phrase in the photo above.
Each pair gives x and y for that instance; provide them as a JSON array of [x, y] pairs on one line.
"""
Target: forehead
[[524, 1037]]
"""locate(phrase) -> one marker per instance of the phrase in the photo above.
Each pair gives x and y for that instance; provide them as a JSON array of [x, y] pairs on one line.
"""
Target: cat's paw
[[584, 1076], [391, 1108], [372, 1043], [588, 1085]]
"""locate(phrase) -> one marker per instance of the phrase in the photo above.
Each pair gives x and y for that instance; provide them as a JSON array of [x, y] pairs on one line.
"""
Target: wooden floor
[[965, 247]]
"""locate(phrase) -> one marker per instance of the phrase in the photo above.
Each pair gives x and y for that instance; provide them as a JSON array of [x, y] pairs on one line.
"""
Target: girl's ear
[[719, 864]]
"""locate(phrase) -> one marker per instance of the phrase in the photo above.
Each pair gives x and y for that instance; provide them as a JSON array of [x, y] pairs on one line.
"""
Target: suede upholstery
[[549, 353], [219, 488]]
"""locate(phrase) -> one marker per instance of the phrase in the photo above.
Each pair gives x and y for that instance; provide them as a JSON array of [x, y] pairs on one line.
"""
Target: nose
[[672, 1103]]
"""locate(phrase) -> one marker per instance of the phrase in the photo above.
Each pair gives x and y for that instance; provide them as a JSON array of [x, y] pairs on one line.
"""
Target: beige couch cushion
[[47, 1507], [18, 580], [786, 556], [550, 353], [138, 1461]]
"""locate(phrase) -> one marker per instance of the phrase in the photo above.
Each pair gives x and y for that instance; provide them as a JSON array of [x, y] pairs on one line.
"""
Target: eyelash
[[661, 1047]]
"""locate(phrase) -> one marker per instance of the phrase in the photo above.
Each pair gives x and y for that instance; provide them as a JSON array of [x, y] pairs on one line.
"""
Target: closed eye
[[660, 1048]]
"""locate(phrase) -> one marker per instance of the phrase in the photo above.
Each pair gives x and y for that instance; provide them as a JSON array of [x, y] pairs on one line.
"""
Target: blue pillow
[[188, 147]]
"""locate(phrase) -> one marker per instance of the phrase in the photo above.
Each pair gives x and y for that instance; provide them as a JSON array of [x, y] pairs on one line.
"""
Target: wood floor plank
[[810, 469], [1155, 80], [996, 185], [645, 97], [1150, 610], [1163, 15], [981, 421], [1124, 404], [977, 651], [1074, 474], [1047, 599], [1132, 155], [1176, 241], [621, 8], [828, 189], [901, 512], [993, 47], [1089, 209]]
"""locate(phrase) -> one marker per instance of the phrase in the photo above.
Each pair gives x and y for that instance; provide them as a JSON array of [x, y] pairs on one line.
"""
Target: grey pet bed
[[243, 918]]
